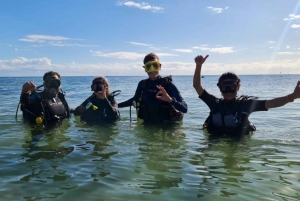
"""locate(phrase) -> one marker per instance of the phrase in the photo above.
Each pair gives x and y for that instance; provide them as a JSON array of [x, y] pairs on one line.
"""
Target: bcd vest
[[150, 108], [229, 118], [96, 112], [46, 110]]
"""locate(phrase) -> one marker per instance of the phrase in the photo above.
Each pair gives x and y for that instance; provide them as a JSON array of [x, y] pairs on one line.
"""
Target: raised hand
[[296, 93], [101, 94], [163, 95], [28, 86], [199, 60]]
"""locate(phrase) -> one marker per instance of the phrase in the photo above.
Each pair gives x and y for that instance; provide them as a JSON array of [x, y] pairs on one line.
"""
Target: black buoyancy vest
[[230, 117], [97, 112], [151, 108], [47, 108]]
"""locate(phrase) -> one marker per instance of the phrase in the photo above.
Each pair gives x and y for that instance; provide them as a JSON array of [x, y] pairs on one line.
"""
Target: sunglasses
[[52, 82], [97, 86], [152, 66]]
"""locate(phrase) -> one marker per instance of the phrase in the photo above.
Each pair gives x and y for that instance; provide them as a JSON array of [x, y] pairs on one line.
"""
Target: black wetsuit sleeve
[[24, 99], [136, 96], [178, 101], [208, 99], [254, 106], [112, 107]]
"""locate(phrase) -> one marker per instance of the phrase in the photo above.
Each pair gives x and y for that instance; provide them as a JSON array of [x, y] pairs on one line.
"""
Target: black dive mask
[[227, 87], [52, 83], [97, 86]]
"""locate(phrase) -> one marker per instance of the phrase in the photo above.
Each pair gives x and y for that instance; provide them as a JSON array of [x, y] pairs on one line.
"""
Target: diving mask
[[152, 66], [52, 82], [228, 86], [97, 86]]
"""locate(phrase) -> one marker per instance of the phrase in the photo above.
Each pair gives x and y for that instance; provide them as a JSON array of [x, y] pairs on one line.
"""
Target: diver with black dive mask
[[229, 115], [45, 106]]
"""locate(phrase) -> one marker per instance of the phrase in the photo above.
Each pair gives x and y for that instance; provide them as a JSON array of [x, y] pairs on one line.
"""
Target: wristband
[[289, 98]]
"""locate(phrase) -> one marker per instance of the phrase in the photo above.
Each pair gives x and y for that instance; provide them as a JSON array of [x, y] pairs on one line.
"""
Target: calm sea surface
[[129, 161]]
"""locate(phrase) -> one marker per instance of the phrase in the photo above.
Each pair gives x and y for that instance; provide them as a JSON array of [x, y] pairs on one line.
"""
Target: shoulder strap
[[61, 96]]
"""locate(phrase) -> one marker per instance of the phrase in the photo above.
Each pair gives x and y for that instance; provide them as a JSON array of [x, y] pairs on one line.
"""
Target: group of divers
[[156, 100]]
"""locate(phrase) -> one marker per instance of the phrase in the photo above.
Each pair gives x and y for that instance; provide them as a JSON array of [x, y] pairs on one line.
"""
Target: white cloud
[[183, 50], [221, 50], [38, 66], [271, 41], [127, 55], [292, 17], [142, 6], [154, 48], [24, 63], [166, 55], [295, 26], [42, 38], [119, 55], [288, 47], [140, 44], [16, 49], [64, 44], [217, 10]]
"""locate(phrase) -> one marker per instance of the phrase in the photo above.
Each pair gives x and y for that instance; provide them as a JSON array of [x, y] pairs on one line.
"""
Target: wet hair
[[50, 74], [150, 57], [105, 82], [229, 76]]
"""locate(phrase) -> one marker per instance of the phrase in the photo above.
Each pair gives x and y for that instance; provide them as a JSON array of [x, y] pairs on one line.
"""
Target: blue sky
[[99, 37]]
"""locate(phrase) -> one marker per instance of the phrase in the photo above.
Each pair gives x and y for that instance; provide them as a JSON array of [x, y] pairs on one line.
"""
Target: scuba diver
[[47, 106], [156, 99], [101, 106], [229, 115]]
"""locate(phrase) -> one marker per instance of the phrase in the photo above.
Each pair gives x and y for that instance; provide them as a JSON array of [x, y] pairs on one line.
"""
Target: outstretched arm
[[280, 101], [199, 60]]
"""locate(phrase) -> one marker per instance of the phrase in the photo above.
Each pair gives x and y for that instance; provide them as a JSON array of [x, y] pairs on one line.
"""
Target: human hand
[[101, 94], [296, 93], [199, 60], [163, 95], [28, 86]]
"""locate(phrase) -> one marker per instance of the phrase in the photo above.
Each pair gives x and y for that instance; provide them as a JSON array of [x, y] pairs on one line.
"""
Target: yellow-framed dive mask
[[152, 66]]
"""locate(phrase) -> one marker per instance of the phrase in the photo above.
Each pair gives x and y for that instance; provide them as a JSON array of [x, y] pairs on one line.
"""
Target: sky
[[111, 37]]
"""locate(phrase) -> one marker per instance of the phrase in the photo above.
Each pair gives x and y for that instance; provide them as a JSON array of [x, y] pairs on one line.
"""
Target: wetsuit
[[231, 117], [99, 110], [150, 108], [41, 105]]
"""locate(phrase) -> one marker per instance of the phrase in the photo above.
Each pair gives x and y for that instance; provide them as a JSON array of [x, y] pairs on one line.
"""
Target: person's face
[[152, 68], [52, 85], [229, 88]]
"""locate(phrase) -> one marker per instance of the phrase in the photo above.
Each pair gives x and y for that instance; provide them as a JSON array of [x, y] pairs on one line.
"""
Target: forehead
[[228, 80], [52, 76]]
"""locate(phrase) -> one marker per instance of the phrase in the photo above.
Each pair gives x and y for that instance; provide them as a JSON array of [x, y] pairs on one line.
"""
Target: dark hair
[[50, 73], [230, 76], [104, 80], [150, 57]]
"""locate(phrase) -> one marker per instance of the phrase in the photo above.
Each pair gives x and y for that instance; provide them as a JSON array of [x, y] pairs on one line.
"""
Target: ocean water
[[130, 161]]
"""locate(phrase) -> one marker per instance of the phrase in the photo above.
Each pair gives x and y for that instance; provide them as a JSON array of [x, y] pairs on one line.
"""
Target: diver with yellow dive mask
[[156, 99]]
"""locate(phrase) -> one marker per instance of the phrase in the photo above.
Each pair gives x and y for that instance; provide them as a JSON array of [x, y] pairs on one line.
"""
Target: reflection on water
[[132, 161]]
